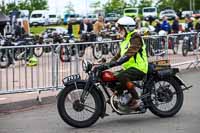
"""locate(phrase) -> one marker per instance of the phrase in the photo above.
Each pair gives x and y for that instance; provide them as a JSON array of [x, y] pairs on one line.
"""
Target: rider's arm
[[135, 45]]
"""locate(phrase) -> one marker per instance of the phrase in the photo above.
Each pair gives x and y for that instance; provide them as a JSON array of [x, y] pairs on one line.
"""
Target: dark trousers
[[125, 76]]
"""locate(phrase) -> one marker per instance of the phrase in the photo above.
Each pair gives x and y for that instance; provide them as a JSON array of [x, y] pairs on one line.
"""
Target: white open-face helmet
[[127, 22]]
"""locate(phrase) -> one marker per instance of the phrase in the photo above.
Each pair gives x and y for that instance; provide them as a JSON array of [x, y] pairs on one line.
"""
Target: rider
[[132, 56]]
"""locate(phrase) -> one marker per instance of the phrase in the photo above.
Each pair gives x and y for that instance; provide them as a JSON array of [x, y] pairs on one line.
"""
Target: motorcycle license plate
[[71, 78]]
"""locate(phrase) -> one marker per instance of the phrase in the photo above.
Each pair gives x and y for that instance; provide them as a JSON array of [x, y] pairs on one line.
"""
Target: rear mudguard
[[103, 101], [181, 82]]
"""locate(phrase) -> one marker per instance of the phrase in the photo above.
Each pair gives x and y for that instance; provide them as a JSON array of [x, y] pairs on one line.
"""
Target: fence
[[60, 60]]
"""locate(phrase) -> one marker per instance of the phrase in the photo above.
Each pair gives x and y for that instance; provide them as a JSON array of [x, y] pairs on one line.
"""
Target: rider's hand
[[106, 66]]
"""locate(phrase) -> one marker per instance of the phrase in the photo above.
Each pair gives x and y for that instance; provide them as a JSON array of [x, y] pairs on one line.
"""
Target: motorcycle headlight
[[99, 38], [86, 65]]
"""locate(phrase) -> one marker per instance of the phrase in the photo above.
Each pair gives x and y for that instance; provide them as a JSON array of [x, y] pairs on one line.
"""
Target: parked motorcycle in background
[[189, 44]]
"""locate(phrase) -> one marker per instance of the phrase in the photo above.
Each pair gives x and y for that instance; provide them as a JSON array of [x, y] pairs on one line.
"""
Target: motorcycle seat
[[152, 68]]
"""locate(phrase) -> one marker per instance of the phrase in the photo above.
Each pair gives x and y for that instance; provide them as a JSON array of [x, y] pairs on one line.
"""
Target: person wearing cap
[[132, 57]]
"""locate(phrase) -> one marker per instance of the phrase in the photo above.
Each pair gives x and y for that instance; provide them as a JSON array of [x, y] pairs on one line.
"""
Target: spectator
[[189, 27], [90, 26], [175, 25], [99, 25], [197, 26], [19, 30], [158, 26], [165, 25], [85, 26], [138, 23], [70, 28]]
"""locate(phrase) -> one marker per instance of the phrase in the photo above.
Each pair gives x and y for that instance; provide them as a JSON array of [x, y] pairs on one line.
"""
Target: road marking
[[3, 98]]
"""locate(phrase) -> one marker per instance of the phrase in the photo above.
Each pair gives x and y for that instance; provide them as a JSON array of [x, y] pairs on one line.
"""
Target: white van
[[148, 12], [54, 18], [39, 17]]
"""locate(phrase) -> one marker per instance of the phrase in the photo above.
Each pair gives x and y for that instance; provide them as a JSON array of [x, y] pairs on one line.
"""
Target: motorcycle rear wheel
[[164, 97], [185, 49]]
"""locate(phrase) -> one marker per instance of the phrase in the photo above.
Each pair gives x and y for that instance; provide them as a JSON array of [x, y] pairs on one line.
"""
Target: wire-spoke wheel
[[166, 98], [4, 60], [38, 51], [97, 51], [76, 113], [65, 54]]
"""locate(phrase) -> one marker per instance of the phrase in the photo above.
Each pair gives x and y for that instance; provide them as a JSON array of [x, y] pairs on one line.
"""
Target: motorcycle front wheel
[[75, 113], [166, 97]]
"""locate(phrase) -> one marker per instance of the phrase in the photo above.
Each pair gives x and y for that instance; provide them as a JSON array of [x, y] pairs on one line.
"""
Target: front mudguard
[[103, 101]]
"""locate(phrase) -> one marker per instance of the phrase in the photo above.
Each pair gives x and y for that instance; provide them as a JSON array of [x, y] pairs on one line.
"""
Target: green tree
[[11, 6], [162, 4], [69, 8], [133, 3], [116, 6], [38, 5], [3, 7], [24, 5], [96, 4], [145, 3], [177, 4]]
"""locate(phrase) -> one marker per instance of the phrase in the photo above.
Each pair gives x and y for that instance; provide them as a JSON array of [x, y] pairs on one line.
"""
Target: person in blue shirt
[[165, 25]]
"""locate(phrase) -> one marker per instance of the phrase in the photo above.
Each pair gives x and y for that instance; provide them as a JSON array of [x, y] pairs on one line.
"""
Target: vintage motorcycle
[[82, 102]]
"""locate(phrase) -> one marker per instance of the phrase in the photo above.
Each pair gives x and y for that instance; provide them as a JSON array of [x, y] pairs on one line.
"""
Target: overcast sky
[[80, 6]]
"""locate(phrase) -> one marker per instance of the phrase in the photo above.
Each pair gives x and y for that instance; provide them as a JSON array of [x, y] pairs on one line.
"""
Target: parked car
[[186, 13], [196, 14], [170, 14], [54, 18], [110, 17], [131, 12], [39, 17], [149, 12], [72, 18], [92, 17]]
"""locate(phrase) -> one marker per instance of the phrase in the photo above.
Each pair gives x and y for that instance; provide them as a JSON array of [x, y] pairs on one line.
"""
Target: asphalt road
[[45, 119]]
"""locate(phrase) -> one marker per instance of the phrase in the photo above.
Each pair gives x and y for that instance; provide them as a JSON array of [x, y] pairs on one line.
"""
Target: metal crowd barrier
[[54, 64], [183, 49]]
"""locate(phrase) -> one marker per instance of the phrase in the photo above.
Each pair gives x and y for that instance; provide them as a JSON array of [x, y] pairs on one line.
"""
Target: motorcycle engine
[[120, 103]]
